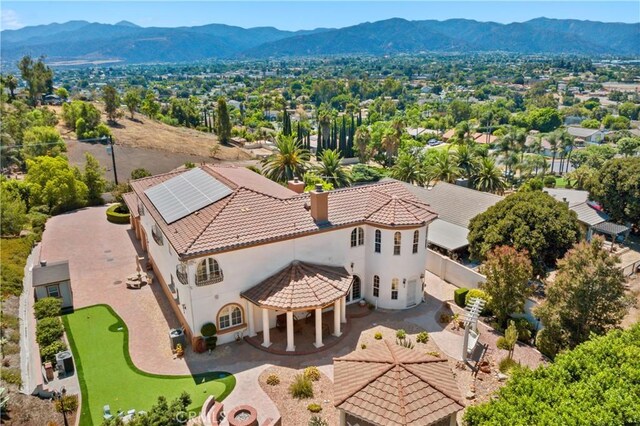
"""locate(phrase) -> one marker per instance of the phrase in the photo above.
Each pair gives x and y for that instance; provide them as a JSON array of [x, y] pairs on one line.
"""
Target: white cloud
[[10, 20]]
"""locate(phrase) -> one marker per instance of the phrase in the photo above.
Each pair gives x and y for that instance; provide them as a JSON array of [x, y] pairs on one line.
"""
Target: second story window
[[397, 239], [416, 240], [181, 273], [378, 243], [209, 272], [157, 234], [357, 237]]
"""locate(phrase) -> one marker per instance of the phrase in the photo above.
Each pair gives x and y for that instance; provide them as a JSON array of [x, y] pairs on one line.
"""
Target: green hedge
[[460, 295], [115, 216]]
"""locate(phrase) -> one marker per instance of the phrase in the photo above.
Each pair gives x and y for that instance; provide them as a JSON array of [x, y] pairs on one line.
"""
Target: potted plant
[[179, 350]]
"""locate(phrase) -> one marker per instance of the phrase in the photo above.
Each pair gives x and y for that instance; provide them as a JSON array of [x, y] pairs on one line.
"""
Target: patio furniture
[[106, 413]]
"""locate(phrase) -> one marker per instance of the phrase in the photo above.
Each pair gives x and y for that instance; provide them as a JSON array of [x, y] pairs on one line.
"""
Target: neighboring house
[[573, 120], [234, 248], [448, 135], [53, 280], [485, 138], [582, 134], [455, 206], [387, 384]]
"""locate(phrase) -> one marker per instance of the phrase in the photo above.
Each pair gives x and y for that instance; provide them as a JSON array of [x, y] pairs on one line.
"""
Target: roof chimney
[[296, 185], [319, 205]]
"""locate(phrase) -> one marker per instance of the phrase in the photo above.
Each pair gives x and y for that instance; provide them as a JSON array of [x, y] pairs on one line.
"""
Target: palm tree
[[331, 170], [444, 167], [568, 143], [488, 177], [289, 161], [467, 160], [553, 141], [390, 143], [324, 123], [362, 139], [409, 168]]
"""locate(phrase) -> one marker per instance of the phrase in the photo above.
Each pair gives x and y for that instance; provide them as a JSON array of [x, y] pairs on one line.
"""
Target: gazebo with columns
[[300, 288]]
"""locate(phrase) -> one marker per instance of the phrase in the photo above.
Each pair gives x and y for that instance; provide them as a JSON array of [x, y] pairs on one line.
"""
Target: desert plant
[[377, 336], [312, 373], [179, 350], [445, 318], [506, 364], [47, 307], [434, 353], [301, 387], [422, 337], [273, 380], [314, 408], [508, 342], [69, 402], [401, 334], [317, 421]]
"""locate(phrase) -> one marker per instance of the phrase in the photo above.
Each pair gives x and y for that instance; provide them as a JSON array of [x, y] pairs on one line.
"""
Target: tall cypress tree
[[352, 134], [286, 123], [224, 122], [359, 117]]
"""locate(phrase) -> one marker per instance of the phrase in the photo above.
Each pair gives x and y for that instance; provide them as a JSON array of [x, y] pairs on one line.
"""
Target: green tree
[[11, 83], [362, 140], [629, 110], [93, 178], [488, 177], [459, 111], [508, 272], [587, 296], [162, 413], [582, 177], [140, 173], [38, 77], [13, 214], [533, 221], [508, 341], [629, 147], [62, 93], [443, 167], [408, 168], [42, 140], [290, 160], [223, 129], [467, 161], [55, 184], [111, 101], [132, 100], [330, 169], [544, 119], [595, 384], [150, 107], [617, 188]]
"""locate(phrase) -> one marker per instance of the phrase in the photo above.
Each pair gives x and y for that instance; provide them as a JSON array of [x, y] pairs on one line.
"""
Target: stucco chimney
[[296, 185], [319, 205]]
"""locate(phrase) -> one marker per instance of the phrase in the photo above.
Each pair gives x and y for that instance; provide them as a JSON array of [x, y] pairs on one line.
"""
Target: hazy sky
[[294, 15]]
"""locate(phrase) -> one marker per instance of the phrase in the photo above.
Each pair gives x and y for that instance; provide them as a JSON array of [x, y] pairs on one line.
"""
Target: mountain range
[[130, 43]]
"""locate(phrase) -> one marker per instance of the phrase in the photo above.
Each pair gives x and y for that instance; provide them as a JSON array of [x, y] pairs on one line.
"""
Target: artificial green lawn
[[99, 340]]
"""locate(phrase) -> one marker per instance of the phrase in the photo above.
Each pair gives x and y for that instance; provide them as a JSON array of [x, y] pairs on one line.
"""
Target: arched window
[[416, 239], [376, 286], [356, 292], [396, 243], [394, 289], [208, 272], [357, 237], [230, 316], [181, 273], [378, 243]]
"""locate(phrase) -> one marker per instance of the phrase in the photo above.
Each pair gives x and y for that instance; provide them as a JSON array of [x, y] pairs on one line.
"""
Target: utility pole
[[113, 159]]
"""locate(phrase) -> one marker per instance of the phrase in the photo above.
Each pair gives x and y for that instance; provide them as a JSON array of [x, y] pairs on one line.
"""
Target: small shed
[[53, 280]]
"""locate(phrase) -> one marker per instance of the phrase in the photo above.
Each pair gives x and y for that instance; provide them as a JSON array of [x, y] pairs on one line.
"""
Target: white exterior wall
[[244, 268]]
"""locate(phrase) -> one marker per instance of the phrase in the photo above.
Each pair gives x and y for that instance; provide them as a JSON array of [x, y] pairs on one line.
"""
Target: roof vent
[[43, 263]]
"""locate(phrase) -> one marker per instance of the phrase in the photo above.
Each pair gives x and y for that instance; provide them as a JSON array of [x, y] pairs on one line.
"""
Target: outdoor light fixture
[[352, 265], [404, 282]]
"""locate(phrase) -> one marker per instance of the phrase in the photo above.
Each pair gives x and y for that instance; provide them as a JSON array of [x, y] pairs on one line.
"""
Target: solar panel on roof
[[186, 193]]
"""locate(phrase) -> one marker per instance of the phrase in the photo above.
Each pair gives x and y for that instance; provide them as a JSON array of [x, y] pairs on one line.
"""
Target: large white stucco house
[[231, 247]]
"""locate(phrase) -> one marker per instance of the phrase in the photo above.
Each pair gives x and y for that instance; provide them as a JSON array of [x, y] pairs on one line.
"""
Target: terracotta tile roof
[[260, 211], [301, 286], [389, 384], [131, 200]]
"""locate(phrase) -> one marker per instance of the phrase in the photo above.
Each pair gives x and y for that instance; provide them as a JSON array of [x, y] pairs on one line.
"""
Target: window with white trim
[[376, 286], [208, 272], [53, 291], [229, 316], [156, 233], [357, 237], [416, 240], [378, 242], [397, 239], [394, 289]]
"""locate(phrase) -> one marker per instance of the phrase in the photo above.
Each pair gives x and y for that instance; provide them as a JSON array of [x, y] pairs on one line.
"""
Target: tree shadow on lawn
[[119, 326]]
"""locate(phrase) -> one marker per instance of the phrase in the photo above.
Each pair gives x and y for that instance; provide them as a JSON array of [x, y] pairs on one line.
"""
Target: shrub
[[314, 408], [273, 379], [312, 373], [317, 421], [70, 403], [48, 330], [11, 375], [434, 353], [8, 321], [549, 181], [48, 353], [189, 165], [422, 337], [476, 293], [459, 296], [301, 388], [115, 214], [507, 364], [445, 318], [140, 173], [363, 346], [38, 221], [209, 331], [525, 329], [401, 334], [377, 336], [47, 307]]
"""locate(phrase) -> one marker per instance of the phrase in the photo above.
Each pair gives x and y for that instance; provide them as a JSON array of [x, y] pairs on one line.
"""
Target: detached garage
[[53, 280]]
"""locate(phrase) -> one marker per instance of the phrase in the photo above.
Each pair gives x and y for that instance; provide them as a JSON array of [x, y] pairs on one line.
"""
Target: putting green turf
[[99, 340]]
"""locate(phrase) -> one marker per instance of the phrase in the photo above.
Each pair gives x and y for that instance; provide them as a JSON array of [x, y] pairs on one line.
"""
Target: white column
[[290, 346], [318, 342], [336, 318], [343, 418], [265, 328], [343, 309], [250, 319]]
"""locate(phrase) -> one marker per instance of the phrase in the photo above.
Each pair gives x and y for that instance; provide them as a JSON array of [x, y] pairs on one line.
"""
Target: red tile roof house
[[387, 384], [231, 247]]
